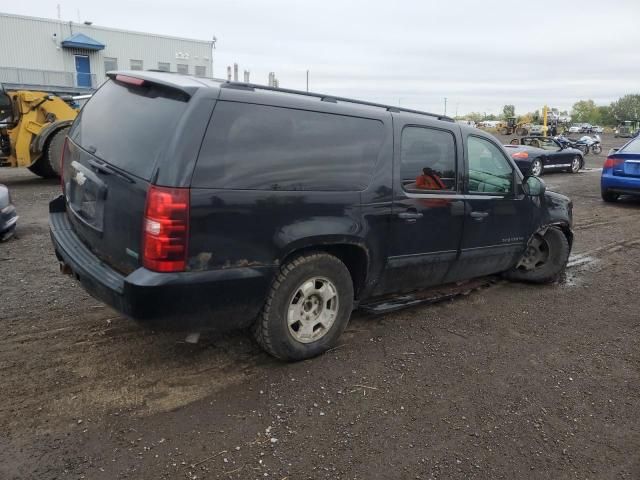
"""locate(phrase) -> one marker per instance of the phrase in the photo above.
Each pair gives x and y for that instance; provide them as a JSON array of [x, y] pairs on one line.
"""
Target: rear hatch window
[[129, 126]]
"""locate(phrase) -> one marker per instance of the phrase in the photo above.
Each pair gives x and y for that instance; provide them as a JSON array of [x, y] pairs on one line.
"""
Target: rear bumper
[[217, 299], [620, 184]]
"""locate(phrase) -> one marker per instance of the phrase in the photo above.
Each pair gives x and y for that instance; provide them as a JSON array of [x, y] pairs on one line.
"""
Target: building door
[[83, 71]]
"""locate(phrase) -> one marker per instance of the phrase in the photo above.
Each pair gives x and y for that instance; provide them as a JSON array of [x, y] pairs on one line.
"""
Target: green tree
[[508, 111], [585, 111], [606, 116], [626, 108]]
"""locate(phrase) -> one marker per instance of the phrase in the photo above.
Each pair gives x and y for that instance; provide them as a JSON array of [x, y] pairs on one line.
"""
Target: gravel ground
[[512, 381]]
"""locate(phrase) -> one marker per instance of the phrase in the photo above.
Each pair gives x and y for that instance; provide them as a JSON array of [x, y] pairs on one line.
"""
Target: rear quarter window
[[129, 127], [632, 147], [257, 147]]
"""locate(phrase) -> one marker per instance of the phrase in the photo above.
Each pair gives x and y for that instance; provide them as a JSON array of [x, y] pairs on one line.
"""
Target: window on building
[[428, 159], [256, 147], [182, 68], [110, 64], [201, 71], [135, 64], [164, 66], [489, 169]]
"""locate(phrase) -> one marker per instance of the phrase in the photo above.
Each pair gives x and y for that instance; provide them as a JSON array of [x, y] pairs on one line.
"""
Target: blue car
[[621, 172]]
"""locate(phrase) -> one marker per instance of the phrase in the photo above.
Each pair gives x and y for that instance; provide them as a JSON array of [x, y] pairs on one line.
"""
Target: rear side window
[[129, 127], [427, 159], [632, 147], [257, 147]]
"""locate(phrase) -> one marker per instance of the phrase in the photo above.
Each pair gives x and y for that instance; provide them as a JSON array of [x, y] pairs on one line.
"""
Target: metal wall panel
[[34, 43]]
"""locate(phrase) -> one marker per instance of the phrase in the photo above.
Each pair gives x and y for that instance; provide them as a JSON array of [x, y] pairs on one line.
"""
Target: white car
[[597, 129], [575, 128]]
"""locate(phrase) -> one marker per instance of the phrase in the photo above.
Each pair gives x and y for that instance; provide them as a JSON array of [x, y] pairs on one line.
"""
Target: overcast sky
[[480, 54]]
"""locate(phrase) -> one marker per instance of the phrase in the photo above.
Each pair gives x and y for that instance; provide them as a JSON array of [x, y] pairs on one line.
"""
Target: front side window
[[135, 64], [489, 169], [259, 147], [427, 159]]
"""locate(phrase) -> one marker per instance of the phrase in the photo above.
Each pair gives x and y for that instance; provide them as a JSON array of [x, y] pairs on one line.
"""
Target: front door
[[498, 217], [83, 71], [428, 208]]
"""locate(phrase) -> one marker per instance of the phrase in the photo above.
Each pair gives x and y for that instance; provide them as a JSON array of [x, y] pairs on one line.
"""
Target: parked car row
[[535, 155], [585, 128]]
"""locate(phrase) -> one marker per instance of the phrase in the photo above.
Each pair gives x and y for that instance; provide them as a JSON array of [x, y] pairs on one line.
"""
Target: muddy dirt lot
[[514, 381]]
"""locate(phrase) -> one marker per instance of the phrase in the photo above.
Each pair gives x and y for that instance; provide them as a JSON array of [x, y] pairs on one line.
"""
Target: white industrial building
[[61, 56]]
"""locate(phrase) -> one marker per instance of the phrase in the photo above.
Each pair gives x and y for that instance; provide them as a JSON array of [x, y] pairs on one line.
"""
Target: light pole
[[307, 80], [445, 106]]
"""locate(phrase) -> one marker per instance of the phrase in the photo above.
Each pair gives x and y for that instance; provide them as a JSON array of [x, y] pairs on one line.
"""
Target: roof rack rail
[[331, 98]]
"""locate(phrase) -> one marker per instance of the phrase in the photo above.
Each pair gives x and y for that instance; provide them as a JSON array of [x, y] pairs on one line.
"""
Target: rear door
[[110, 158], [498, 217], [428, 207]]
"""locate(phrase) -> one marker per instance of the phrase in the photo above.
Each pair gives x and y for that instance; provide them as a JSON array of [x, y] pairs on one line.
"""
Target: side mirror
[[534, 186]]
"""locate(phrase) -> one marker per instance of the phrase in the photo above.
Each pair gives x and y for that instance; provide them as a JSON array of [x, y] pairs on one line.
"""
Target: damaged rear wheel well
[[354, 257]]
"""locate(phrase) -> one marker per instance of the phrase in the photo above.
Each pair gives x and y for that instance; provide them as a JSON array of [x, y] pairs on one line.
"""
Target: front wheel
[[307, 308], [596, 149], [536, 167], [545, 259], [576, 164]]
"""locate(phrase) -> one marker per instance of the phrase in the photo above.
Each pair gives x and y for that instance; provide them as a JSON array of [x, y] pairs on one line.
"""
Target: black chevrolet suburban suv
[[194, 204]]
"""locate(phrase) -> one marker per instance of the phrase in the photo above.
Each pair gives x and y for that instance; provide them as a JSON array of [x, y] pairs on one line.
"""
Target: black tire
[[54, 149], [545, 270], [584, 149], [271, 329], [42, 168], [596, 149], [537, 168], [608, 196], [576, 164], [504, 131]]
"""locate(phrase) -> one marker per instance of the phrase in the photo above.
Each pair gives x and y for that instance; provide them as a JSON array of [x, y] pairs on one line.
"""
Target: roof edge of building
[[98, 27]]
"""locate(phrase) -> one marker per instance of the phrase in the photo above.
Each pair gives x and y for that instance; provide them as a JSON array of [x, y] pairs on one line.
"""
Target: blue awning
[[80, 40]]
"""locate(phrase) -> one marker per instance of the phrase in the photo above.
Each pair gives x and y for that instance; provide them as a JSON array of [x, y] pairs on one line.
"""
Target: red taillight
[[166, 229], [520, 155], [64, 147], [138, 82], [612, 162]]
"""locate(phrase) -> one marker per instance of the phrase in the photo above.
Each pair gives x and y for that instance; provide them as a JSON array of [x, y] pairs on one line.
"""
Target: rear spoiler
[[187, 85]]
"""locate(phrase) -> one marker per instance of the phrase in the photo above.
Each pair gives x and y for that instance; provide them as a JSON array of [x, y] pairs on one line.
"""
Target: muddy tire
[[545, 259], [307, 308]]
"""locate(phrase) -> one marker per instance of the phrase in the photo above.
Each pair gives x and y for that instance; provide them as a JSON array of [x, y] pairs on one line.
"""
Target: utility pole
[[307, 80], [445, 106]]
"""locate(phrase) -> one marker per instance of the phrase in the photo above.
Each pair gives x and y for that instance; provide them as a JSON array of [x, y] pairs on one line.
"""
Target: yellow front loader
[[33, 126]]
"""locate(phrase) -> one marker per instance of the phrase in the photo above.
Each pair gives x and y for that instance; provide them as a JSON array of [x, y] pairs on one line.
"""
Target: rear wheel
[[576, 164], [608, 196], [307, 309], [596, 149], [544, 260], [42, 168]]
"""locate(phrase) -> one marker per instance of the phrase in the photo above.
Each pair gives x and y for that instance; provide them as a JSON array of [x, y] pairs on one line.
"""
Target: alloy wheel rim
[[537, 253], [575, 164], [537, 168], [313, 309]]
